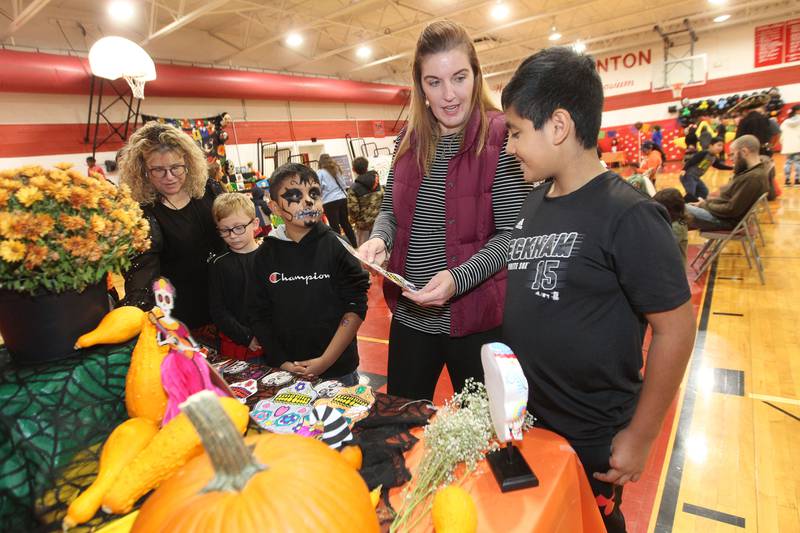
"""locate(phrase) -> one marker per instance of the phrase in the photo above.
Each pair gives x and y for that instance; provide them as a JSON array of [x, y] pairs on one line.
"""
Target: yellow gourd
[[171, 448], [144, 394], [119, 325], [121, 525], [454, 511], [127, 440]]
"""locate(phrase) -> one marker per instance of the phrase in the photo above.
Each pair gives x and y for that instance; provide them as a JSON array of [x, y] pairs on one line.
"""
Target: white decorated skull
[[164, 294]]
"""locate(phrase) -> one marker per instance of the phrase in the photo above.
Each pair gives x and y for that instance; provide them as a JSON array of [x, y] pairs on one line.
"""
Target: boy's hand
[[313, 368], [628, 457], [254, 346], [292, 367], [373, 251], [438, 290]]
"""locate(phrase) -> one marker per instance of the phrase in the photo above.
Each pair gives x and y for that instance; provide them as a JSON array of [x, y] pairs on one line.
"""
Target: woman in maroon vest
[[449, 205]]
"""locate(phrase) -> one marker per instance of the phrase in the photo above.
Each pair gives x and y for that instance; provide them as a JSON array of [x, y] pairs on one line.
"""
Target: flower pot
[[42, 328]]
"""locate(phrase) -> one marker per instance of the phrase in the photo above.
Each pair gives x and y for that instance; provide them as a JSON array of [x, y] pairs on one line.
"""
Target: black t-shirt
[[231, 279], [583, 270]]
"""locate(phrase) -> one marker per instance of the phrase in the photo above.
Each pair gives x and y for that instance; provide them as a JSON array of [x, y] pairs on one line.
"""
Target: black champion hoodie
[[301, 290]]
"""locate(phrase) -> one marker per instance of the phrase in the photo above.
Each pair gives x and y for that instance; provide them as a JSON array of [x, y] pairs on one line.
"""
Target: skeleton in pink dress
[[184, 370]]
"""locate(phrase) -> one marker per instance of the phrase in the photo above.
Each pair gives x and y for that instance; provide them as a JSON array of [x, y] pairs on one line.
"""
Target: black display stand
[[511, 470]]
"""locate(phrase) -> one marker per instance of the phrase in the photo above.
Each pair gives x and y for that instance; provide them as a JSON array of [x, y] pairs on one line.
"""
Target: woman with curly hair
[[168, 175]]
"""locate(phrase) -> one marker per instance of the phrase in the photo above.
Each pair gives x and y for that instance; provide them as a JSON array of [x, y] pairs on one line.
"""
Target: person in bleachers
[[693, 170], [749, 181]]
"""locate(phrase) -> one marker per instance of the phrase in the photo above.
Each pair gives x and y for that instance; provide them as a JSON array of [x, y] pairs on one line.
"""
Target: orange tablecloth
[[563, 501], [615, 157]]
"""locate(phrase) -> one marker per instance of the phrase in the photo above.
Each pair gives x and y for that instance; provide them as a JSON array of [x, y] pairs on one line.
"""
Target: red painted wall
[[22, 140]]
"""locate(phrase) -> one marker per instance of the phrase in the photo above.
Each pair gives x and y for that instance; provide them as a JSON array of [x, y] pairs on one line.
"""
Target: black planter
[[44, 328]]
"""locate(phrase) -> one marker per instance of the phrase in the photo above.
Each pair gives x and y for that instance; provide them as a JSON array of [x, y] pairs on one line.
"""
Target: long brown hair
[[441, 36], [330, 164]]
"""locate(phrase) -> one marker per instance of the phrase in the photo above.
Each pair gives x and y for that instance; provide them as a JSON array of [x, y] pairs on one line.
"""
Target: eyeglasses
[[236, 230], [159, 172]]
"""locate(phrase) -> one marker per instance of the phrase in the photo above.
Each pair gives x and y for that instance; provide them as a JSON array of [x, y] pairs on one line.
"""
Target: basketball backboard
[[677, 73]]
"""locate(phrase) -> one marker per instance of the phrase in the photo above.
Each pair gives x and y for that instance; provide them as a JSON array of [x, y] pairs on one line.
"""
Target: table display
[[53, 476]]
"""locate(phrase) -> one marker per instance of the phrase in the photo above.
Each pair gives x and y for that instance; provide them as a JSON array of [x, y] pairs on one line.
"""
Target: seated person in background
[[589, 254], [749, 181], [230, 275], [309, 294], [640, 181], [654, 159], [672, 200], [364, 199], [697, 165]]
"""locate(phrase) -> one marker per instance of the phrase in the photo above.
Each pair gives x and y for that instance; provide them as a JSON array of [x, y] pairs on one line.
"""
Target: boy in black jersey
[[310, 295], [591, 263], [230, 275]]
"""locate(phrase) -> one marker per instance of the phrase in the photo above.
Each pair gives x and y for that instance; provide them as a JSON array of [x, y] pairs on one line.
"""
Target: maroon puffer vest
[[469, 222]]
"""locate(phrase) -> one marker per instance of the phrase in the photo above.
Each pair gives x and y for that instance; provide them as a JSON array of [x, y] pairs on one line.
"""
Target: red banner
[[792, 50], [769, 44]]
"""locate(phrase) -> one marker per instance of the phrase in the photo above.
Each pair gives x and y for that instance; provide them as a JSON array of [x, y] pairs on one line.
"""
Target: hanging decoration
[[209, 134]]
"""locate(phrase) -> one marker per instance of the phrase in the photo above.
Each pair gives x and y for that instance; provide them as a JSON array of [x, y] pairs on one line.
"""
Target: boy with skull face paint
[[310, 294]]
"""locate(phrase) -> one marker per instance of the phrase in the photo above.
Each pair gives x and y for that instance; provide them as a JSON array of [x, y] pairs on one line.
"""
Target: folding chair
[[744, 232]]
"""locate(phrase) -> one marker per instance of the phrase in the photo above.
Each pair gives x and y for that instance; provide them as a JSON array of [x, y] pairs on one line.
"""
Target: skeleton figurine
[[184, 370]]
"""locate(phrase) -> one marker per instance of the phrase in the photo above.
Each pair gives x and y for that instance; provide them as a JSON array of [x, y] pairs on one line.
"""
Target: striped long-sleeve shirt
[[426, 251]]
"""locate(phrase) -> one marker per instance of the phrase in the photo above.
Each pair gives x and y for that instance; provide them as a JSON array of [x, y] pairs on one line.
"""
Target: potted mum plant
[[61, 233]]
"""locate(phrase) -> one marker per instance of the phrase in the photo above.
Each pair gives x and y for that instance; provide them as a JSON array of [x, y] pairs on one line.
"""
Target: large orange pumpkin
[[287, 483]]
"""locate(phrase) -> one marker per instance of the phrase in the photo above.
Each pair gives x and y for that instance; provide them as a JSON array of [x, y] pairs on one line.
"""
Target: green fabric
[[49, 414]]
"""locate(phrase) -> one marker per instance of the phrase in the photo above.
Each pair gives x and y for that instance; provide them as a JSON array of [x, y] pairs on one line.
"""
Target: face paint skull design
[[300, 202], [164, 294]]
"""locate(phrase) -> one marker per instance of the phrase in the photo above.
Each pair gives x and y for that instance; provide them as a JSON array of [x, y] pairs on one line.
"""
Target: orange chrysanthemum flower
[[12, 251]]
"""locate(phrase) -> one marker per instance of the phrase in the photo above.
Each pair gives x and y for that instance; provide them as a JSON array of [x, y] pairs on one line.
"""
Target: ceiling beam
[[330, 18], [182, 21], [24, 16], [393, 33]]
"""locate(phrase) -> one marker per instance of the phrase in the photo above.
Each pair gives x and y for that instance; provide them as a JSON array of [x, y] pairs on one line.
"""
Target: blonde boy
[[230, 275]]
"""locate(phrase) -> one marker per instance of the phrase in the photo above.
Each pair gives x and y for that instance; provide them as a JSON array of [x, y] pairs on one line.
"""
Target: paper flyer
[[397, 279]]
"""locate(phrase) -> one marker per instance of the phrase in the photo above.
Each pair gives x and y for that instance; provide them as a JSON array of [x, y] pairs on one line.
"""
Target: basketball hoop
[[136, 84], [677, 89], [115, 57]]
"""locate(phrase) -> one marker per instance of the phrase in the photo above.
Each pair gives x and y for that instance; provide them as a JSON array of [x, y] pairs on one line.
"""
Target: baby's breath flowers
[[461, 432], [61, 230]]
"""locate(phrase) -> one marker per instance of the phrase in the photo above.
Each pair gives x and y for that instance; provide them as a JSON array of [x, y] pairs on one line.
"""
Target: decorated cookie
[[298, 393], [328, 425], [354, 401], [280, 377], [235, 367], [244, 389], [328, 389], [279, 417], [253, 372]]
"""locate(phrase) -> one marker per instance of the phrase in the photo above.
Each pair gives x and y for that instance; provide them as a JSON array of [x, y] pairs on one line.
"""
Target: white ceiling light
[[554, 35], [722, 18], [121, 10], [579, 47], [294, 40], [500, 11], [717, 2], [363, 51]]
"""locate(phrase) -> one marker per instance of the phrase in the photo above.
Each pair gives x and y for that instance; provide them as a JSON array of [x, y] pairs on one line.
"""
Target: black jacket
[[300, 292], [366, 183]]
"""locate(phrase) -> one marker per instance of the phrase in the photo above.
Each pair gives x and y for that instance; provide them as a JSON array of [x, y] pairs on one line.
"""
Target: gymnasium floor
[[724, 461]]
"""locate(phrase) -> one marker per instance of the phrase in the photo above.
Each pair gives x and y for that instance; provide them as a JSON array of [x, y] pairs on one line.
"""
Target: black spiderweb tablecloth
[[55, 418]]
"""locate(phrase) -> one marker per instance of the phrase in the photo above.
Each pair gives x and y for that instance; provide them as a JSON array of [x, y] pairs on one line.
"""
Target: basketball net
[[677, 89], [137, 86]]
